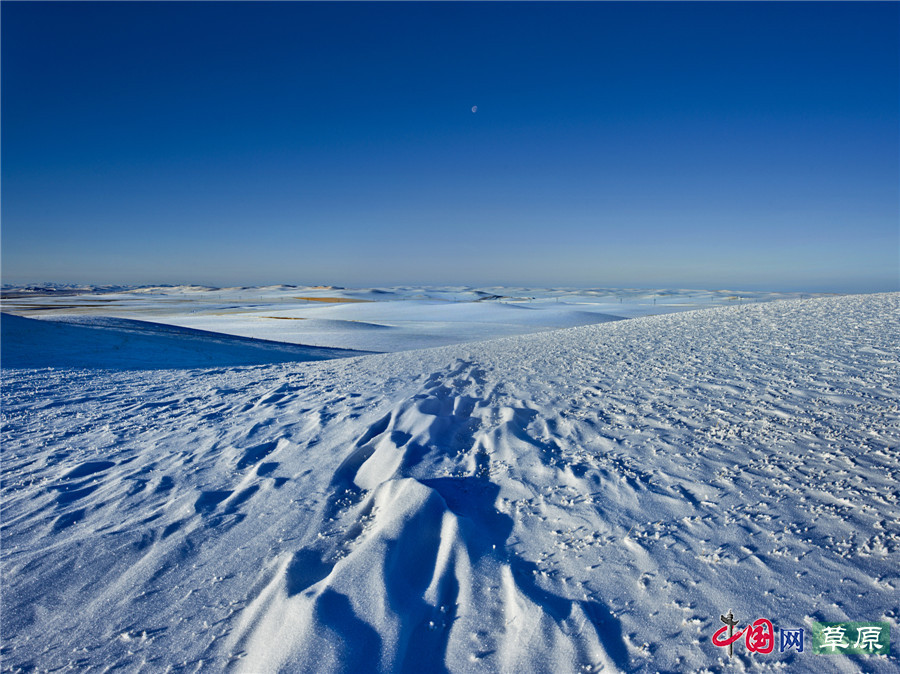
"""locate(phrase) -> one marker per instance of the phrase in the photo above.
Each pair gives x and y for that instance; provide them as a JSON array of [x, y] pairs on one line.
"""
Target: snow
[[371, 319], [126, 344], [580, 499]]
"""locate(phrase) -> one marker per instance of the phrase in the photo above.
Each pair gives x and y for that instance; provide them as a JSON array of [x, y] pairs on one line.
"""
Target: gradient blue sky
[[743, 145]]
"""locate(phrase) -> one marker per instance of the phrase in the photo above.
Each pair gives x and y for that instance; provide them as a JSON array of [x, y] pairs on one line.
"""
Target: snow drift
[[115, 343]]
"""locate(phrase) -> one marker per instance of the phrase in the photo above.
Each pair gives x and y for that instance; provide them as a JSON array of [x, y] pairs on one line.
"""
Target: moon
[[474, 109]]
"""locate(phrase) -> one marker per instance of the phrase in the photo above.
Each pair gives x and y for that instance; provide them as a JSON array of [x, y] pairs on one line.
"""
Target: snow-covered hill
[[371, 319], [576, 500], [115, 343]]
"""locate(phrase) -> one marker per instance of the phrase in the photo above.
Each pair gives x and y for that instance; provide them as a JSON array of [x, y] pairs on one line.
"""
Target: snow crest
[[416, 545]]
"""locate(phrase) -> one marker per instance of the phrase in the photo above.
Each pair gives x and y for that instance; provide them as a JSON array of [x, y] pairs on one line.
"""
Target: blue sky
[[744, 145]]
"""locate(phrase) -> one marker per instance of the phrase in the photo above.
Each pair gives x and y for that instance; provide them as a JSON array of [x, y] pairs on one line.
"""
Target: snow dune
[[114, 343], [578, 500]]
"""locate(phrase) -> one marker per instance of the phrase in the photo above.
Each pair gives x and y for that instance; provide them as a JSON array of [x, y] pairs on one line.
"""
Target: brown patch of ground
[[331, 300]]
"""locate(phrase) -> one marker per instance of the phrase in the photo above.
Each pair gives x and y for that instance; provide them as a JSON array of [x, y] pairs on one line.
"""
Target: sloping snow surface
[[576, 500], [121, 344]]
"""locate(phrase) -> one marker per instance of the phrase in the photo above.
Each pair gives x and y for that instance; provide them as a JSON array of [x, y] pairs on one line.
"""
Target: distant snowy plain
[[572, 492]]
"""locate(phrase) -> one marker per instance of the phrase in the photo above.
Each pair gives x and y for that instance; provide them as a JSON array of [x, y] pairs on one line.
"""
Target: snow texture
[[586, 499]]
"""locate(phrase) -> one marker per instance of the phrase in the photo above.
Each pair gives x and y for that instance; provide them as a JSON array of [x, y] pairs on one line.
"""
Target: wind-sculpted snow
[[580, 500], [121, 344]]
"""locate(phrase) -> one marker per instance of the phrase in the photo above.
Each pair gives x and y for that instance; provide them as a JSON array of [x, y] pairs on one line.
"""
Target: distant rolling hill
[[114, 343]]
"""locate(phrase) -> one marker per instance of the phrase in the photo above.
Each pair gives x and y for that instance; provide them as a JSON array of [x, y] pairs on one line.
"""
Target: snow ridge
[[425, 558]]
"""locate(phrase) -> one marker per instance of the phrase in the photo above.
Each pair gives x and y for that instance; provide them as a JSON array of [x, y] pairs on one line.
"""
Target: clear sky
[[742, 145]]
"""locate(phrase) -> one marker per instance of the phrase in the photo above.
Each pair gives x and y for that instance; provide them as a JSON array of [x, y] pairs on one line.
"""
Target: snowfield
[[582, 499], [367, 319]]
